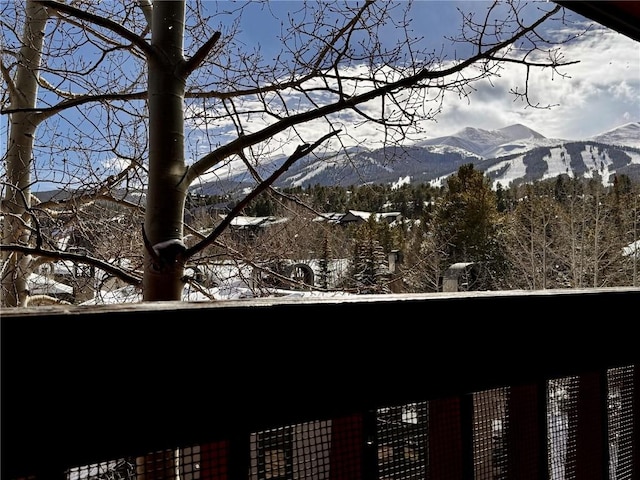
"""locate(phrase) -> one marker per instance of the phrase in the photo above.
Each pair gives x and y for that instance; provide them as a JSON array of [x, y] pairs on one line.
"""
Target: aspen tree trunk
[[166, 195], [164, 262], [17, 201]]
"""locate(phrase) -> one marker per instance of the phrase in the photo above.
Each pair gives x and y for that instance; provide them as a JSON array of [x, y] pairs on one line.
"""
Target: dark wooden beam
[[621, 16]]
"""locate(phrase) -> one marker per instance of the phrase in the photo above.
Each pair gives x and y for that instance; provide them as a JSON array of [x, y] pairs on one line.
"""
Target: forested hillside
[[509, 161], [557, 233]]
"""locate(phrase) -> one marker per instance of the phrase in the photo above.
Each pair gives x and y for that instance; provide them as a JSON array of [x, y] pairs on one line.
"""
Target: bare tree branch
[[200, 55], [78, 258], [411, 81], [300, 152], [134, 38]]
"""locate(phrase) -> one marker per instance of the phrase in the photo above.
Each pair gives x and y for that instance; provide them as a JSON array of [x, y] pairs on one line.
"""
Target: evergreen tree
[[466, 216], [370, 272], [323, 275], [501, 201]]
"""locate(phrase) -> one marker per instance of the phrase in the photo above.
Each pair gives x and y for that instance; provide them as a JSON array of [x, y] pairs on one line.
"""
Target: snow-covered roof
[[632, 249], [354, 215], [246, 222], [331, 217], [41, 285]]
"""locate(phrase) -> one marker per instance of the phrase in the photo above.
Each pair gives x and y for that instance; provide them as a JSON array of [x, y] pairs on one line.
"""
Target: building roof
[[248, 222], [41, 285], [332, 217], [357, 216], [623, 16]]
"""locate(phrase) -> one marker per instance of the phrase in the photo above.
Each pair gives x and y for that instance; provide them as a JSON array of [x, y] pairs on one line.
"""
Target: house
[[45, 290], [632, 250], [357, 216], [242, 222], [63, 279]]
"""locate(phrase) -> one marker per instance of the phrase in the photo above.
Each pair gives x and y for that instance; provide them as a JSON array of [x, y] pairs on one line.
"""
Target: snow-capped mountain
[[626, 135], [510, 155], [492, 143]]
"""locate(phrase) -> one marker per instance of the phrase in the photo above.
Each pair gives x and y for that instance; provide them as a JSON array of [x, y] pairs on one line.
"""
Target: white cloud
[[599, 93]]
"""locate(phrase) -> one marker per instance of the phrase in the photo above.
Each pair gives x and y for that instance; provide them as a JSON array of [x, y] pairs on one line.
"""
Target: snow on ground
[[41, 285], [558, 163], [130, 294]]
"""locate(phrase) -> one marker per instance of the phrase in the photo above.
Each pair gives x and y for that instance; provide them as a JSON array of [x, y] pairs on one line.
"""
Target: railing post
[[445, 439], [591, 458], [370, 449], [468, 431], [526, 432], [347, 447], [239, 456], [214, 461]]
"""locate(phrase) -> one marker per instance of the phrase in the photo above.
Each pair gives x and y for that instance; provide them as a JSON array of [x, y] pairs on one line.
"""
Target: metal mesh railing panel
[[121, 469], [292, 452], [402, 441], [489, 434], [347, 440], [562, 401], [620, 411], [500, 434]]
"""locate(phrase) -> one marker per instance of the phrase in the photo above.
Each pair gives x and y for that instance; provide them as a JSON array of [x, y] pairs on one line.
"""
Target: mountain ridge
[[510, 155]]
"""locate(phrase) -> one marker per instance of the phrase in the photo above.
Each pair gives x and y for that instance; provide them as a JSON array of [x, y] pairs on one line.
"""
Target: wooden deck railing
[[85, 385]]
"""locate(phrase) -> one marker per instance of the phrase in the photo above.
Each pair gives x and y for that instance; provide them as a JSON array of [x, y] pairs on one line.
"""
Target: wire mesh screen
[[562, 398], [495, 434], [297, 451], [489, 434], [402, 441], [620, 388], [122, 469]]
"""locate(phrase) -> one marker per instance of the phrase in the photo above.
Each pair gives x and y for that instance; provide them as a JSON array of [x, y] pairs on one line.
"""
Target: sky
[[600, 93]]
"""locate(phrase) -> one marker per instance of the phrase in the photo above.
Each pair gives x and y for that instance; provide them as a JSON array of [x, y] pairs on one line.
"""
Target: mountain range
[[509, 156]]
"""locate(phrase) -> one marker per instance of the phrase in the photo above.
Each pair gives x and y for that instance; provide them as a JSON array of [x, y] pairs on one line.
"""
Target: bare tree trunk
[[164, 261], [17, 201]]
